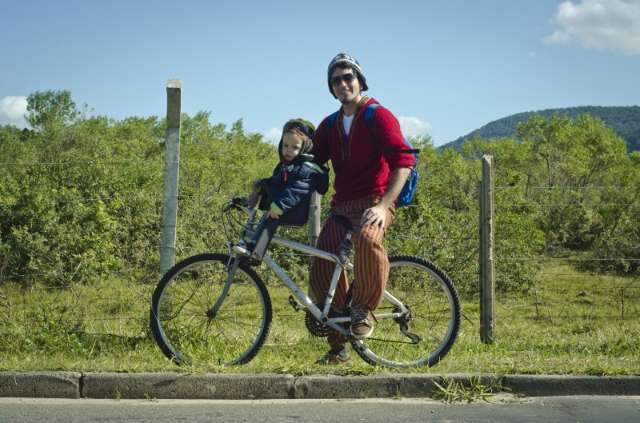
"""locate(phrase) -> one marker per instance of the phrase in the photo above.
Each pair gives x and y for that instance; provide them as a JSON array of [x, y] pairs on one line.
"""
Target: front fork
[[232, 268]]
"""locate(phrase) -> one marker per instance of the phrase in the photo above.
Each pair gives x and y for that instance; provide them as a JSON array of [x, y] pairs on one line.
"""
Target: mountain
[[624, 120]]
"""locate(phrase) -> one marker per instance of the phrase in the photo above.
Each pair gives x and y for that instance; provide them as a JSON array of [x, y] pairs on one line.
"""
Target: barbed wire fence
[[50, 300], [117, 304], [564, 291]]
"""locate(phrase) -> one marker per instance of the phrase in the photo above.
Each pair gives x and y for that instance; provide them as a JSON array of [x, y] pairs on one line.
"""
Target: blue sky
[[444, 68]]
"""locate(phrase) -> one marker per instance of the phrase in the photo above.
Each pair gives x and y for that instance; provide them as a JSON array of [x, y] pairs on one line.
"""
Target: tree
[[46, 109], [571, 160]]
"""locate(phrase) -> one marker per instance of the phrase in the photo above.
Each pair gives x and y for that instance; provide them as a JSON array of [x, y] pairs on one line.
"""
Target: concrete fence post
[[487, 251], [171, 173]]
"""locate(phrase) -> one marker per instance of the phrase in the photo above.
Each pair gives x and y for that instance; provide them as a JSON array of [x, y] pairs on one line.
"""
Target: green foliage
[[570, 185], [64, 199], [617, 246], [81, 198], [49, 109], [625, 121], [574, 162], [442, 223]]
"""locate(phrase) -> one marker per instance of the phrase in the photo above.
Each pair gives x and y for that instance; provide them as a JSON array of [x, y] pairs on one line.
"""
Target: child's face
[[291, 146]]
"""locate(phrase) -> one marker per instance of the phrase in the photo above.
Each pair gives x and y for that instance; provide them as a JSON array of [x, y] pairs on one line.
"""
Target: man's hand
[[375, 216]]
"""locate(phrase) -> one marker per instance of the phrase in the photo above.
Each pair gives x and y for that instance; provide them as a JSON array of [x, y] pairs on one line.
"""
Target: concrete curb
[[40, 384], [550, 385], [185, 386], [381, 386], [272, 386]]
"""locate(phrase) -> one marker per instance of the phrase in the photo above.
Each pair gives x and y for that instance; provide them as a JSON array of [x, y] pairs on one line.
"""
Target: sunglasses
[[347, 78]]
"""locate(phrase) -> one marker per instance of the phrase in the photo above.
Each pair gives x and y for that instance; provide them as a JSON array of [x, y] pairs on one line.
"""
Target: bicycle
[[214, 307]]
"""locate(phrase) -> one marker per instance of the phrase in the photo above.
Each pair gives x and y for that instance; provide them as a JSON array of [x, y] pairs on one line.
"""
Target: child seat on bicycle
[[286, 195]]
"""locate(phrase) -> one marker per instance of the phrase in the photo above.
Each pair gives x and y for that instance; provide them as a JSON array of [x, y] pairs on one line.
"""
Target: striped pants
[[371, 264]]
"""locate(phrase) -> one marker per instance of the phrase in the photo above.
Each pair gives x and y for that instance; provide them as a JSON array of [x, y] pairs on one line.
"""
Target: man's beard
[[348, 99]]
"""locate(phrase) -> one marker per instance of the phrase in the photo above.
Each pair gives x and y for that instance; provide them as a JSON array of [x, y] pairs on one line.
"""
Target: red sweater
[[363, 160]]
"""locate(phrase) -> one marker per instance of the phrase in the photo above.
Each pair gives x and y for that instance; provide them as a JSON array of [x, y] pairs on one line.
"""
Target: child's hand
[[272, 215]]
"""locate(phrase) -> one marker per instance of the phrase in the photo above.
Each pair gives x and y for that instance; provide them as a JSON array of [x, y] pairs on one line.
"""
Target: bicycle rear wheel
[[424, 335], [183, 322]]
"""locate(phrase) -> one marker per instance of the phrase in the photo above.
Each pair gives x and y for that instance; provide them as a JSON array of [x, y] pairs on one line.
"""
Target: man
[[371, 164]]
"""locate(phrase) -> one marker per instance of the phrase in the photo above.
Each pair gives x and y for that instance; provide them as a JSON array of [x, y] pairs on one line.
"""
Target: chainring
[[315, 327]]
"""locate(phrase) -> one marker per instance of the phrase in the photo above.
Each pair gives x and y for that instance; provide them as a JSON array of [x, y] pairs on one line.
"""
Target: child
[[285, 195]]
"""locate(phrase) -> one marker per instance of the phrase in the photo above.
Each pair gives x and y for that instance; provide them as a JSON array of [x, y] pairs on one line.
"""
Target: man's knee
[[368, 239]]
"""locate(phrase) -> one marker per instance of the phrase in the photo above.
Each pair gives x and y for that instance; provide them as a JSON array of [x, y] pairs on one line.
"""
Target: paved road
[[500, 409]]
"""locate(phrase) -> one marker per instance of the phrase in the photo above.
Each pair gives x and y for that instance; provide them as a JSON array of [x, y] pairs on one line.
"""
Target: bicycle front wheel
[[199, 318], [424, 334]]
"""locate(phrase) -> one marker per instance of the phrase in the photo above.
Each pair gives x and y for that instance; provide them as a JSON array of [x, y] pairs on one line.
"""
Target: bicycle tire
[[179, 321], [435, 308]]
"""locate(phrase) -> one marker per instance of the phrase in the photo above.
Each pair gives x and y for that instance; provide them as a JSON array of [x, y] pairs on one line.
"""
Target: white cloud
[[12, 111], [599, 24], [273, 135], [413, 126]]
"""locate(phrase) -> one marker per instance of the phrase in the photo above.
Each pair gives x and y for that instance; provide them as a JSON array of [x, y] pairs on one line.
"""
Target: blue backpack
[[409, 189]]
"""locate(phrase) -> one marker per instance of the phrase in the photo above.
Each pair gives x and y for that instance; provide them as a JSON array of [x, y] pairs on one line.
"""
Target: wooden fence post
[[171, 173], [487, 250], [314, 219]]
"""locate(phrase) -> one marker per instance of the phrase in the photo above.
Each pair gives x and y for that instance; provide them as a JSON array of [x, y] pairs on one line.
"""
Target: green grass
[[572, 323], [470, 390]]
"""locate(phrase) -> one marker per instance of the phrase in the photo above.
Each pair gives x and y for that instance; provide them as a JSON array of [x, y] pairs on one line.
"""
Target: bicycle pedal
[[295, 304]]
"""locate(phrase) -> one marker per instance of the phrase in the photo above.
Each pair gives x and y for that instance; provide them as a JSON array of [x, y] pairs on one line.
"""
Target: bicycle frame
[[323, 315], [320, 315]]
